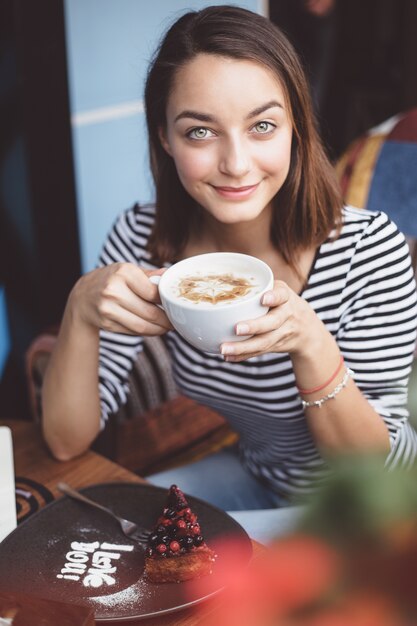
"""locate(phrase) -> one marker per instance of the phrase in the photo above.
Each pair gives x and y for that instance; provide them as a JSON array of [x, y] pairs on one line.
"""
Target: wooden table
[[33, 460]]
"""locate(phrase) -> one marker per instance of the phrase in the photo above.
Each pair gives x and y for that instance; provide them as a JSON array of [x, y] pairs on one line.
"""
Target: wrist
[[317, 402], [74, 316], [326, 383], [315, 340], [319, 363]]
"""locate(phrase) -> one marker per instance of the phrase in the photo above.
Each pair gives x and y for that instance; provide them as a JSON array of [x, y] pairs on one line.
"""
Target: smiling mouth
[[236, 192]]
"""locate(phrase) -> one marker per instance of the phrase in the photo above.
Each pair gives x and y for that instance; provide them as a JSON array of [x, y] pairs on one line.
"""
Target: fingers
[[274, 341], [270, 332], [147, 288], [276, 299], [121, 298], [138, 316], [146, 295], [135, 278], [280, 294], [122, 321]]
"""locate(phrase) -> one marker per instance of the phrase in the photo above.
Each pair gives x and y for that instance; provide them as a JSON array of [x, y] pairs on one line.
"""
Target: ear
[[164, 141]]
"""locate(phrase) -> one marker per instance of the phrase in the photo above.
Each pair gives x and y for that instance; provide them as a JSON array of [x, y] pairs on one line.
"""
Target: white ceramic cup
[[206, 326]]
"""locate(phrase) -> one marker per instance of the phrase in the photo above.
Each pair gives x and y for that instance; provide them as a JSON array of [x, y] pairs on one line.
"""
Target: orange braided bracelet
[[306, 392]]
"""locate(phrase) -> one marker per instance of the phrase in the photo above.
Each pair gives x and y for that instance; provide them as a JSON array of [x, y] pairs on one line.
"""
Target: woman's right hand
[[119, 298]]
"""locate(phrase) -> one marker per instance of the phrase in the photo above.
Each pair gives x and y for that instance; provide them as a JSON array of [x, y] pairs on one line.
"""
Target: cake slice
[[176, 550]]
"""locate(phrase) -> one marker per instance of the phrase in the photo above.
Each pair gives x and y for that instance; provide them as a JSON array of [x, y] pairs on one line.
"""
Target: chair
[[378, 171], [142, 436]]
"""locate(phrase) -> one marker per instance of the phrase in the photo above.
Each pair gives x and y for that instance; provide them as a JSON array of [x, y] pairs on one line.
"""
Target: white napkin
[[7, 484]]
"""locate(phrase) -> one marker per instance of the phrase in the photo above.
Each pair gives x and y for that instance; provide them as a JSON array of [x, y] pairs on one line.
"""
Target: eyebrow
[[203, 117]]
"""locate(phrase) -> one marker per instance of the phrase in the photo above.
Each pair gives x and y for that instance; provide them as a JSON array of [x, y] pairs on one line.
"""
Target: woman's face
[[229, 133]]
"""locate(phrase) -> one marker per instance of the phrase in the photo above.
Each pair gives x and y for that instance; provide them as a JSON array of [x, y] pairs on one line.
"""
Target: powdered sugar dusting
[[127, 601]]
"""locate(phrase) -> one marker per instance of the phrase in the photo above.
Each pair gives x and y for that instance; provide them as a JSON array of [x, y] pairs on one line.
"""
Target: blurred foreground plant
[[352, 561]]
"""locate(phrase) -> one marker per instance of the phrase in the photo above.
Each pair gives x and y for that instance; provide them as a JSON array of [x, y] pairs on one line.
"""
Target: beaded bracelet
[[348, 374], [306, 392]]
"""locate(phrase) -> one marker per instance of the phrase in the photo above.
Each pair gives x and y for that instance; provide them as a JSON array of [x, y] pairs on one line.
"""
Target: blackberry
[[187, 542]]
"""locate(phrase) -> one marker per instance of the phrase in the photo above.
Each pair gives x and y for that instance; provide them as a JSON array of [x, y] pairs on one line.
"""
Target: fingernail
[[267, 299], [242, 329], [227, 350]]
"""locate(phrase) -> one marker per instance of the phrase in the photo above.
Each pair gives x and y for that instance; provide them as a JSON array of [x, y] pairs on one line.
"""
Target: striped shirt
[[361, 286]]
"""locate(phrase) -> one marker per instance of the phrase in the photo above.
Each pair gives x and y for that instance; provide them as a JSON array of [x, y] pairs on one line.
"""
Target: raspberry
[[174, 546], [161, 548], [181, 524], [195, 530]]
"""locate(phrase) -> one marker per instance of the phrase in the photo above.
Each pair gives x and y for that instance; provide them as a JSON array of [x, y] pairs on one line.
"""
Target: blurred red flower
[[291, 573]]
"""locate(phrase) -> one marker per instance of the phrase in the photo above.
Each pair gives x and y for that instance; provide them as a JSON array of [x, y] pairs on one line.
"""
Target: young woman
[[238, 166]]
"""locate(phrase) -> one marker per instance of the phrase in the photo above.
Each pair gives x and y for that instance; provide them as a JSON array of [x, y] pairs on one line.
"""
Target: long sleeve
[[125, 243], [377, 329]]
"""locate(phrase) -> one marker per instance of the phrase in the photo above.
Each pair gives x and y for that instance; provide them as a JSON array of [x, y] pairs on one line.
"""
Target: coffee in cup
[[215, 289], [205, 296]]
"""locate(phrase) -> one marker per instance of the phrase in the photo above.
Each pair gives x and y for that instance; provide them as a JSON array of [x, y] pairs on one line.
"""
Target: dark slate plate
[[45, 556]]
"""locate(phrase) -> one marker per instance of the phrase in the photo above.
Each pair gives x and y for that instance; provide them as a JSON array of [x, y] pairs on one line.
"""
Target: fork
[[130, 529]]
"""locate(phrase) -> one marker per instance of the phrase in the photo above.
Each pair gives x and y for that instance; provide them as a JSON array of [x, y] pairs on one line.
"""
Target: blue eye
[[264, 127], [199, 133]]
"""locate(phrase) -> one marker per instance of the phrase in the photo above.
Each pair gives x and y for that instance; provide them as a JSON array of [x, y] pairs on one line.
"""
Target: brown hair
[[308, 205]]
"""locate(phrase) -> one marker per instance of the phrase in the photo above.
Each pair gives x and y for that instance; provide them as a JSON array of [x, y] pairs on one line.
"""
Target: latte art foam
[[214, 288]]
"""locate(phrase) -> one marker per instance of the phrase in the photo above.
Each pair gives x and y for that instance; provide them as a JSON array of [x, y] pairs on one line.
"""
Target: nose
[[235, 158]]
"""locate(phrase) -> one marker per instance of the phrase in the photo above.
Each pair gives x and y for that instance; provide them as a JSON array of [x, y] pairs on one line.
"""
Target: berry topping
[[187, 542], [174, 546], [161, 548], [177, 530], [176, 499], [176, 550]]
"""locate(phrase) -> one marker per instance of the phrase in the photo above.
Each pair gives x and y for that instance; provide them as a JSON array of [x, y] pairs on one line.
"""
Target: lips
[[236, 192]]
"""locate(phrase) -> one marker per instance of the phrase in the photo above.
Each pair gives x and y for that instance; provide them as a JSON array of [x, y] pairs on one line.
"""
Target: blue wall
[[4, 334], [109, 44]]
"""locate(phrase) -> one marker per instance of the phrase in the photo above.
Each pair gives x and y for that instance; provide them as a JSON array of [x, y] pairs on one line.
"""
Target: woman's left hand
[[290, 325]]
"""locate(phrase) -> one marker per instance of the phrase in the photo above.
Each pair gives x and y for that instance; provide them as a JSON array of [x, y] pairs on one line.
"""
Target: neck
[[251, 237]]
